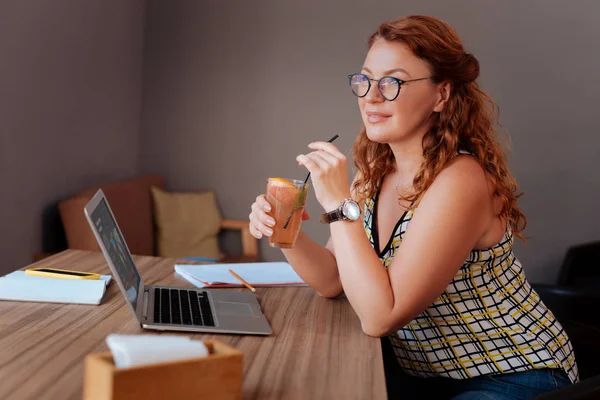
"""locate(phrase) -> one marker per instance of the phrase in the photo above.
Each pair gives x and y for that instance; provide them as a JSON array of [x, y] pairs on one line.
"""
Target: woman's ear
[[444, 90]]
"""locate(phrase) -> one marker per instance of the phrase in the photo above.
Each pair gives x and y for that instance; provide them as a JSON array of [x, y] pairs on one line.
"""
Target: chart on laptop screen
[[115, 245]]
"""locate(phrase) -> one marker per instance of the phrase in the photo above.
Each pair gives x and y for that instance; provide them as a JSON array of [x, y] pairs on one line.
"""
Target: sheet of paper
[[258, 274]]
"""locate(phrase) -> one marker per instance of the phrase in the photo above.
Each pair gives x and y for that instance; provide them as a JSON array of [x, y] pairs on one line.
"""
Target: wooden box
[[216, 376]]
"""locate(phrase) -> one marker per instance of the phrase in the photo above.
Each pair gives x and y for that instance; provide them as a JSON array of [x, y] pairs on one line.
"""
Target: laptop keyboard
[[182, 307]]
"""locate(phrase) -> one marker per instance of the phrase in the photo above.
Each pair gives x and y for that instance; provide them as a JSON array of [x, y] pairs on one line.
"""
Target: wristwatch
[[348, 211]]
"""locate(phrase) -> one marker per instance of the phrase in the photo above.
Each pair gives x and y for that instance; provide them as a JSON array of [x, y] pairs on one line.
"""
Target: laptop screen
[[115, 245]]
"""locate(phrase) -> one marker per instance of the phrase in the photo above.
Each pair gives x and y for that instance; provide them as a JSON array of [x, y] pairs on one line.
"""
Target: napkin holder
[[217, 376]]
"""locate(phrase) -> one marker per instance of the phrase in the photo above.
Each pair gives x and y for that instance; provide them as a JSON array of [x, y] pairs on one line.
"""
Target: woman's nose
[[374, 95]]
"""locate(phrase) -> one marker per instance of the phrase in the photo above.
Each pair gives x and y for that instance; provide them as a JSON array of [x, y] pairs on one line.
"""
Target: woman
[[435, 271]]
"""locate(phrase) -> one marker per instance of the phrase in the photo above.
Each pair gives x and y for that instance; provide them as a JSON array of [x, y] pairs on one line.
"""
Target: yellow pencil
[[249, 286]]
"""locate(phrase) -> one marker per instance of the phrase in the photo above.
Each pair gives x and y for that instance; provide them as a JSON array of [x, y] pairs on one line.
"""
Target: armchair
[[131, 202]]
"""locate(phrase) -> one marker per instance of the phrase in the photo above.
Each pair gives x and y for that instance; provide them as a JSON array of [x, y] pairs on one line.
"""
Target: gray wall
[[233, 92], [70, 106]]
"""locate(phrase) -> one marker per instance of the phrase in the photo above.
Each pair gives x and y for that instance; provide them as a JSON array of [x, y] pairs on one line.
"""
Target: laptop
[[166, 308]]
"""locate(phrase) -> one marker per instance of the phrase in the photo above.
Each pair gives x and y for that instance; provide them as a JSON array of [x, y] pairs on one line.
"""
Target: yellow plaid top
[[489, 320]]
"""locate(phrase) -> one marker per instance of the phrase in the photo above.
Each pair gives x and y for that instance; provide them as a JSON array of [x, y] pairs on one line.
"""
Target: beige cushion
[[187, 224]]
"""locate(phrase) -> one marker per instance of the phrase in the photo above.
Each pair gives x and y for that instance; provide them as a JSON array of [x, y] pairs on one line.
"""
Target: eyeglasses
[[388, 86]]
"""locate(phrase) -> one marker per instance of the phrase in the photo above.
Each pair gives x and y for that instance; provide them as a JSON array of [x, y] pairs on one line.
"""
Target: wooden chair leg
[[249, 242]]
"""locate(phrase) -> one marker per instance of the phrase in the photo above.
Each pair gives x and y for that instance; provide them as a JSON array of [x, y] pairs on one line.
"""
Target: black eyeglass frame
[[399, 82]]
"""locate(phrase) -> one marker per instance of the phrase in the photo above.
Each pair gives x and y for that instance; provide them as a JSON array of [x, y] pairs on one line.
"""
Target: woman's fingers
[[260, 221], [318, 161], [262, 216], [309, 163], [259, 226], [331, 160], [329, 148], [261, 200], [255, 232]]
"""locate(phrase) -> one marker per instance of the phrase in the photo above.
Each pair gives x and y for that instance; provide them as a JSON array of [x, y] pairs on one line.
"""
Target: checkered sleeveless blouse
[[488, 320]]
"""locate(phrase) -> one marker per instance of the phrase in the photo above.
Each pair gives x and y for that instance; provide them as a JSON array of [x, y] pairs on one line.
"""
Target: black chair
[[580, 267], [575, 301]]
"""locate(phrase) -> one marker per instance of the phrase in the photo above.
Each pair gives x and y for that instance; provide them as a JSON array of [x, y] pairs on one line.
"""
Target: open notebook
[[256, 274], [18, 286]]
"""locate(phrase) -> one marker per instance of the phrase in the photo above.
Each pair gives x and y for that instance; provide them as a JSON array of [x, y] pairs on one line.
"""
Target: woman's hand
[[328, 168], [261, 223]]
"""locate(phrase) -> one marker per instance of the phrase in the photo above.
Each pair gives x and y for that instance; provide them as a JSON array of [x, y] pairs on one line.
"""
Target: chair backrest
[[581, 266], [131, 203]]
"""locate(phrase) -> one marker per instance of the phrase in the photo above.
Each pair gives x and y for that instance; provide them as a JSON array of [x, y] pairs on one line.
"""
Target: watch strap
[[332, 216]]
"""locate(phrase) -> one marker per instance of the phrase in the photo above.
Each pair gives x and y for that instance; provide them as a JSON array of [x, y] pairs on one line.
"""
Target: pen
[[249, 286]]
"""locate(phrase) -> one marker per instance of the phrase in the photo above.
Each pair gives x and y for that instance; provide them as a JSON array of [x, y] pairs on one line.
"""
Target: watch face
[[351, 210]]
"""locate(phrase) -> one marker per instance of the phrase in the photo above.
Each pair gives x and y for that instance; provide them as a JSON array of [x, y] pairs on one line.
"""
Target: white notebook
[[256, 274], [18, 286]]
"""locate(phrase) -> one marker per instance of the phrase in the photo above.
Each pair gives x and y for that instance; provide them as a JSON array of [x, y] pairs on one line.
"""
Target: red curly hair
[[467, 122]]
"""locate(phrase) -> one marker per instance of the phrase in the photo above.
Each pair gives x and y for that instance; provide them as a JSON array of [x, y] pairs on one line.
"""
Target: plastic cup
[[287, 198]]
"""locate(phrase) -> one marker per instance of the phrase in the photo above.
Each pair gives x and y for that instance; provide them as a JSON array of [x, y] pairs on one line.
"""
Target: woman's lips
[[375, 117]]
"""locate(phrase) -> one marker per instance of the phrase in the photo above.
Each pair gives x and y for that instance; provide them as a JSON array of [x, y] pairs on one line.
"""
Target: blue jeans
[[513, 386]]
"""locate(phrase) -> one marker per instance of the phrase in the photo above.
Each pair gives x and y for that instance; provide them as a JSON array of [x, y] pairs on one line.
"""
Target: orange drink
[[287, 198]]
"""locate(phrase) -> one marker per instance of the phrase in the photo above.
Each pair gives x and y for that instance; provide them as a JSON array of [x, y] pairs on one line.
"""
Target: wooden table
[[317, 349]]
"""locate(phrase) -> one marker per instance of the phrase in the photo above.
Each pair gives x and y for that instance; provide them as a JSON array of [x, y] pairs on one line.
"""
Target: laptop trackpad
[[237, 309]]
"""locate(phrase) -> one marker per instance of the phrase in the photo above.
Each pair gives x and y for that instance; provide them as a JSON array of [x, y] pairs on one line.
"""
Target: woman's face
[[408, 115]]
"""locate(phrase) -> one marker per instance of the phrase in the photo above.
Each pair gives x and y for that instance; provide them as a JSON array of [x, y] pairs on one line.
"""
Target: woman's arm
[[306, 254], [451, 218], [315, 264]]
